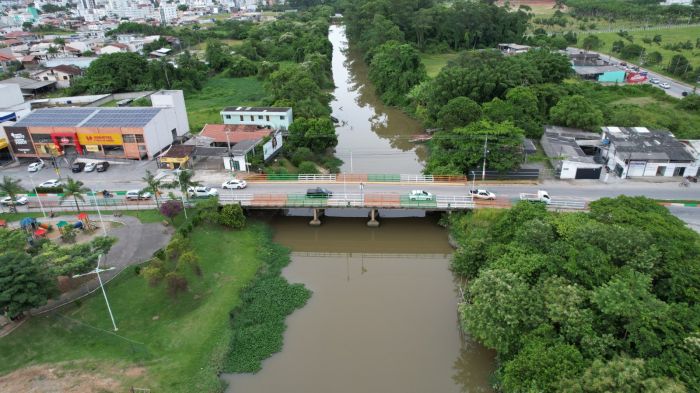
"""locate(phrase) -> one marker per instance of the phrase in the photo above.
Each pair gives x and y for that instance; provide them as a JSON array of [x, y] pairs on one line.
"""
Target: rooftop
[[179, 151], [640, 143], [89, 117], [236, 132], [560, 143], [255, 109], [593, 70], [28, 84]]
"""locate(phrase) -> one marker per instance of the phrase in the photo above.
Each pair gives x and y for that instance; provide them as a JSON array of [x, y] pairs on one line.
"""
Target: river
[[372, 138]]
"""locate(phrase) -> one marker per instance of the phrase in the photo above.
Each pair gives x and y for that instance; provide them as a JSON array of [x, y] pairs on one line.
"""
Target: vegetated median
[[176, 338], [583, 302]]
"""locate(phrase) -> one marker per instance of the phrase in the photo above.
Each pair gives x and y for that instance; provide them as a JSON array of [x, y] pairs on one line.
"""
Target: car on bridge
[[319, 192], [202, 192], [482, 194], [420, 195], [7, 201], [234, 184]]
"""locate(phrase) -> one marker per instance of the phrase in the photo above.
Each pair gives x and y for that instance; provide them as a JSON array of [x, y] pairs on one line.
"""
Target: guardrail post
[[372, 218], [316, 221]]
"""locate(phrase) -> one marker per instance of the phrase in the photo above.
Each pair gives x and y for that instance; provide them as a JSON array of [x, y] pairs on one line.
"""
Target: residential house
[[113, 48], [231, 142], [276, 118], [574, 153], [30, 87], [513, 49], [640, 152], [63, 75], [6, 62]]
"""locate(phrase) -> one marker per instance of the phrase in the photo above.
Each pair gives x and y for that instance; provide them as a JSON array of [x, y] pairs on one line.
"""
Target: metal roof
[[640, 143], [256, 109], [89, 117]]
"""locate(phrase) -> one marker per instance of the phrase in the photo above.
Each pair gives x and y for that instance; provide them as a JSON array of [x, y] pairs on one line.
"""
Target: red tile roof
[[6, 58], [237, 132], [67, 69]]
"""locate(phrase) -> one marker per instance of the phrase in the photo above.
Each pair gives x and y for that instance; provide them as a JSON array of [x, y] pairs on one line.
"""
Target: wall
[[176, 100], [241, 162], [10, 95], [569, 168], [612, 77], [157, 132], [274, 122]]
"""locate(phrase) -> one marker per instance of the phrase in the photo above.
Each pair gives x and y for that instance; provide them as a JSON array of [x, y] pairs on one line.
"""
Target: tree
[[318, 134], [678, 65], [302, 154], [171, 209], [182, 7], [114, 73], [631, 51], [185, 180], [307, 167], [232, 216], [11, 187], [576, 111], [74, 189], [458, 112], [217, 55], [153, 186], [553, 66], [592, 42], [24, 284], [395, 68], [654, 58], [52, 50], [541, 365], [59, 41]]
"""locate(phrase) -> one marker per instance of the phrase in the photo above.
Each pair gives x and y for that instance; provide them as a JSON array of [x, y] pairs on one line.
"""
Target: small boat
[[420, 138], [335, 119]]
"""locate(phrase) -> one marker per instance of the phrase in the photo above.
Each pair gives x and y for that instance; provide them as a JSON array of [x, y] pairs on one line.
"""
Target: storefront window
[[42, 138]]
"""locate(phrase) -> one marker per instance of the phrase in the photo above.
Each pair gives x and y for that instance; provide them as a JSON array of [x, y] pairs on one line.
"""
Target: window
[[252, 118], [281, 117], [267, 117], [129, 138], [227, 116], [259, 117], [139, 138], [42, 138], [65, 78], [241, 117], [46, 78]]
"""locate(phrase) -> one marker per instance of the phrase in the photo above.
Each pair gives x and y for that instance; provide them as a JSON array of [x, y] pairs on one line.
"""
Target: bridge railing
[[573, 204], [357, 178]]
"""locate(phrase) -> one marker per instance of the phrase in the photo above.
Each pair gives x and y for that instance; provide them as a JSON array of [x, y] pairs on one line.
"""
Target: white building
[[176, 100], [565, 149], [677, 2], [167, 12], [277, 118], [640, 152], [63, 75]]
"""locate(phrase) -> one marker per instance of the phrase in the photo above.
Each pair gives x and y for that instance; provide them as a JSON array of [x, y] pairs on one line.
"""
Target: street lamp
[[99, 213], [98, 271], [31, 179]]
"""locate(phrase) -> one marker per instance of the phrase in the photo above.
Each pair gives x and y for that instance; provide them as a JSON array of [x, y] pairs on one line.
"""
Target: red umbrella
[[40, 232]]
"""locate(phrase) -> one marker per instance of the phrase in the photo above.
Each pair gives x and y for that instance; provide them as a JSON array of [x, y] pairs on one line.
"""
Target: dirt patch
[[56, 378]]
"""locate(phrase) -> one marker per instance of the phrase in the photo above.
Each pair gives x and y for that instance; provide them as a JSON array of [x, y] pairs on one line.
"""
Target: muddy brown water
[[372, 138], [382, 317]]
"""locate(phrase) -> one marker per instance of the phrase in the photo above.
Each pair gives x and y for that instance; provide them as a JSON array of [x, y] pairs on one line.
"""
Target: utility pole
[[98, 271], [486, 152]]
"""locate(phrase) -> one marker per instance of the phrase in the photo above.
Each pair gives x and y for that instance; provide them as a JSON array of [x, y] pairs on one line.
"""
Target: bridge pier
[[373, 218], [316, 220]]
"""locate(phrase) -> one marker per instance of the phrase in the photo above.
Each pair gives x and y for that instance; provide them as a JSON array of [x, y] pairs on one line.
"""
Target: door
[[588, 173], [679, 171], [236, 165], [660, 171]]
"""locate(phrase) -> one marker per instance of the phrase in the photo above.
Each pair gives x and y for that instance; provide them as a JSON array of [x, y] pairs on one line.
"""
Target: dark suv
[[102, 166], [77, 167], [318, 192]]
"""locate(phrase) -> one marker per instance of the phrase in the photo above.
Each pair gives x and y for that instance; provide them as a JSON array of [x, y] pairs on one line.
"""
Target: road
[[676, 90]]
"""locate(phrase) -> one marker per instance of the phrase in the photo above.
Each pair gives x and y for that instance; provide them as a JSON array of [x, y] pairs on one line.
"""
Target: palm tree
[[185, 181], [75, 190], [153, 186], [11, 187]]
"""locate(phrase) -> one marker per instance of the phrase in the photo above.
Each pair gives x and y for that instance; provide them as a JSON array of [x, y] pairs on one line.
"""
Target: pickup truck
[[540, 196], [482, 194]]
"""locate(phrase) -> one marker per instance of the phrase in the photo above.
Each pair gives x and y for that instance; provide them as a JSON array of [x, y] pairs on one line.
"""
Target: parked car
[[664, 85], [135, 195], [77, 167], [7, 201], [234, 184], [102, 166], [654, 81], [36, 166], [482, 194], [319, 192], [51, 183], [420, 195], [90, 166], [202, 192]]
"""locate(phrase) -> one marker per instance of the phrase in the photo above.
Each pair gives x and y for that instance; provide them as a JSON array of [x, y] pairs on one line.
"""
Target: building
[[235, 140], [603, 74], [134, 133], [276, 118], [167, 13], [63, 75], [513, 49], [113, 48], [565, 149], [640, 152], [6, 62], [677, 2], [30, 87]]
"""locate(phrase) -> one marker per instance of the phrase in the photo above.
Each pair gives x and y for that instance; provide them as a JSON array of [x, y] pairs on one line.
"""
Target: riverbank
[[163, 343]]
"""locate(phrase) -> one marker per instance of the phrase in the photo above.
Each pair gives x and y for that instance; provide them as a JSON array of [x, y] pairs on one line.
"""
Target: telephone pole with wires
[[486, 152]]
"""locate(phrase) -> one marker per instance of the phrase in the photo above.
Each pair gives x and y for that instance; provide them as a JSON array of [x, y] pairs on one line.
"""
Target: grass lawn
[[143, 215], [434, 62], [180, 342], [219, 92], [671, 36], [203, 45]]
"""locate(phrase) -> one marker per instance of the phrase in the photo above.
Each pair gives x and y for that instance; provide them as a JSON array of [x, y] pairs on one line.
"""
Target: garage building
[[565, 149]]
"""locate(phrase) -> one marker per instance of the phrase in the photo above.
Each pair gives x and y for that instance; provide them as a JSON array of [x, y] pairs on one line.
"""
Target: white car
[[664, 85], [135, 195], [7, 201], [654, 81], [36, 166], [233, 184], [420, 195], [482, 194], [90, 166], [51, 183], [201, 191]]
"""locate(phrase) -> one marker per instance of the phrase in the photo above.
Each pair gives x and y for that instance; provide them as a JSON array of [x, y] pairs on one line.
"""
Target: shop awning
[[61, 224]]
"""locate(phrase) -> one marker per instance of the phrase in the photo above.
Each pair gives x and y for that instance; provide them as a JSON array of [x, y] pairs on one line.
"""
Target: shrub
[[176, 283], [308, 167], [171, 209], [232, 216], [49, 190], [302, 154]]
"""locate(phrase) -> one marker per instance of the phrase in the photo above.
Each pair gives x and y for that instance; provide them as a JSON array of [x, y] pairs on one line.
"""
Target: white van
[[134, 195]]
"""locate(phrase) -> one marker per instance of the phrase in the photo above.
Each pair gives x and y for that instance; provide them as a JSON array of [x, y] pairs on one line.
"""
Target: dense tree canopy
[[584, 302], [317, 134], [395, 68], [576, 111]]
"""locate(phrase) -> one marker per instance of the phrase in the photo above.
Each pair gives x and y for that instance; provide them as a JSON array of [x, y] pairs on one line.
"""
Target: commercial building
[[277, 118], [134, 133], [565, 149], [236, 143], [638, 151]]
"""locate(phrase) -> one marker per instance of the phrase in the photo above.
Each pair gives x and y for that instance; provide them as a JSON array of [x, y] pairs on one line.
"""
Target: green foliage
[[395, 68], [24, 283], [258, 323], [458, 112], [240, 66], [77, 259], [463, 148], [74, 189], [632, 51], [592, 42], [584, 302], [232, 216], [302, 154], [308, 167], [317, 134], [294, 86], [578, 112], [11, 187]]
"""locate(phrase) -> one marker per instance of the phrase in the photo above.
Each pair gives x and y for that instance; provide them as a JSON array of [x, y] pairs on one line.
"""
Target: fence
[[520, 174], [357, 178]]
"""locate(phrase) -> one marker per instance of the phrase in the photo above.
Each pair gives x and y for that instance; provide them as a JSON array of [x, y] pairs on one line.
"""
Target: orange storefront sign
[[100, 139]]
